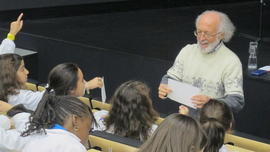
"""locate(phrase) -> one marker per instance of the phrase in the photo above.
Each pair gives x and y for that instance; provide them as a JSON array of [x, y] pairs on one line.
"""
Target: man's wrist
[[11, 36]]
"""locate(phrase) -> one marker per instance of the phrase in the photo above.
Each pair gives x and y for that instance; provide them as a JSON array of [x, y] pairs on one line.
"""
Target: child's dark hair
[[55, 110], [132, 113], [63, 78], [216, 118], [9, 65], [17, 109]]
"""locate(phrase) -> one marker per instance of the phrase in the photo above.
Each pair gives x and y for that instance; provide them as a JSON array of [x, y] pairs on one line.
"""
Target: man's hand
[[163, 91], [97, 82], [200, 100], [16, 26]]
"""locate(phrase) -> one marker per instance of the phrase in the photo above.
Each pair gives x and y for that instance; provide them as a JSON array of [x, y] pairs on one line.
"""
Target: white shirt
[[28, 98], [11, 141], [7, 46], [4, 122], [20, 121], [56, 140]]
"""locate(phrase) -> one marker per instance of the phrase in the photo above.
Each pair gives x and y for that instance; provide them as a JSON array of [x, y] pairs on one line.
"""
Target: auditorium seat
[[85, 100], [232, 148], [93, 150], [159, 120], [94, 104], [31, 86], [247, 143], [100, 105], [110, 142], [41, 88]]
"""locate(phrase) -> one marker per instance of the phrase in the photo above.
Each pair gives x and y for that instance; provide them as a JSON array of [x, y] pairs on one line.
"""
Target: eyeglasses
[[205, 34]]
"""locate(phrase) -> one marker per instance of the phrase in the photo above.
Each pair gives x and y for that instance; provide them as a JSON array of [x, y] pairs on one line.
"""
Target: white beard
[[210, 48]]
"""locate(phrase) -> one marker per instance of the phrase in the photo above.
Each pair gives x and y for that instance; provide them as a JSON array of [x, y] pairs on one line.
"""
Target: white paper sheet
[[103, 92], [182, 92]]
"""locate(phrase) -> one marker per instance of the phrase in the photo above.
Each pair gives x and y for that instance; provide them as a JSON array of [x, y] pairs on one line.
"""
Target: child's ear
[[71, 92]]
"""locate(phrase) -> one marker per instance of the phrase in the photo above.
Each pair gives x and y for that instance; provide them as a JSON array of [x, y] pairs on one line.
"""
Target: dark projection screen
[[25, 4]]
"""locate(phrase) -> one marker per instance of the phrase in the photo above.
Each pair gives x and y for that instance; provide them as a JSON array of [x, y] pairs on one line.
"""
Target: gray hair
[[226, 26]]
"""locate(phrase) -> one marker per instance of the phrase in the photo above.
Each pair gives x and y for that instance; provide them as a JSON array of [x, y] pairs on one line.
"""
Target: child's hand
[[183, 110], [97, 82], [16, 26]]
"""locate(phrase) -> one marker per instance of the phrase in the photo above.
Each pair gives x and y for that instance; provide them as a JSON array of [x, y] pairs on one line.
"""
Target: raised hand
[[17, 25]]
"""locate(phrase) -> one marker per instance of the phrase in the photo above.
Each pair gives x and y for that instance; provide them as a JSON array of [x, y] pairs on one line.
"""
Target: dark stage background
[[123, 40]]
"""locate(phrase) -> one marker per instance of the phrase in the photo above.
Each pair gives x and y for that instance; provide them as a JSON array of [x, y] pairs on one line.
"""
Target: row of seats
[[109, 142]]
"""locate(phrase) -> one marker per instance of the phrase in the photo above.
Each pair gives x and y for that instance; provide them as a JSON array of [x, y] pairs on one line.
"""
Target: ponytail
[[216, 118], [215, 132], [43, 117]]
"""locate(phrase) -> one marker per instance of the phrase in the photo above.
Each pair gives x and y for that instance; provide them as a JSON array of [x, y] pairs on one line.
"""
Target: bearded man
[[209, 64]]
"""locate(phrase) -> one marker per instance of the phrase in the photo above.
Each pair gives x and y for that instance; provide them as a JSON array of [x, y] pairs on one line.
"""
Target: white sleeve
[[4, 122], [152, 129], [99, 116], [233, 84], [20, 121], [7, 46], [28, 98]]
